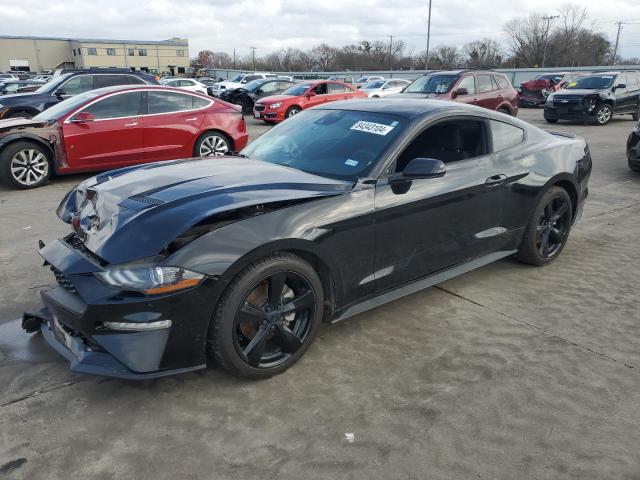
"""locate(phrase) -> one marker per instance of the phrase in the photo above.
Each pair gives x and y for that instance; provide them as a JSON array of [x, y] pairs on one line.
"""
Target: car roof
[[98, 92], [410, 108]]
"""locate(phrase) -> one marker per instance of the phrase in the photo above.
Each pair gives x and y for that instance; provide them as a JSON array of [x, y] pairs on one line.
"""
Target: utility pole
[[234, 58], [428, 35], [546, 37], [253, 58], [615, 49], [390, 54]]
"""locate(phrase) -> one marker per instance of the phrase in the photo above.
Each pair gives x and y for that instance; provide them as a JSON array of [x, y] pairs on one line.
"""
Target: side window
[[251, 78], [501, 81], [165, 102], [284, 85], [198, 102], [468, 83], [484, 83], [115, 106], [320, 89], [621, 79], [76, 85], [100, 81], [505, 135], [269, 87], [336, 88], [449, 141], [135, 80]]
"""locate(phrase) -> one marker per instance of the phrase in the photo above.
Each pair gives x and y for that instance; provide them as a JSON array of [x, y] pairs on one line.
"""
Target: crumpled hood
[[133, 213], [17, 123], [533, 85], [229, 85]]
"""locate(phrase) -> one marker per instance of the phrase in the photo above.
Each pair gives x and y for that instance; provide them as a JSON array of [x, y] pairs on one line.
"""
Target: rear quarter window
[[501, 81], [505, 135]]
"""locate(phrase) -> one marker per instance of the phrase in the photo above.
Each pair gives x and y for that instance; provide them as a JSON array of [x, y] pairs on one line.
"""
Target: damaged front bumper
[[158, 335]]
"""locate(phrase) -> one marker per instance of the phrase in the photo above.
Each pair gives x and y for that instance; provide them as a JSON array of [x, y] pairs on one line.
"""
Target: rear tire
[[505, 111], [250, 335], [212, 144], [25, 165], [634, 166], [551, 120], [547, 231]]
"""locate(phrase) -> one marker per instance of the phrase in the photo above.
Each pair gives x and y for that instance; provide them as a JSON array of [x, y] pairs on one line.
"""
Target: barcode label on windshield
[[370, 127]]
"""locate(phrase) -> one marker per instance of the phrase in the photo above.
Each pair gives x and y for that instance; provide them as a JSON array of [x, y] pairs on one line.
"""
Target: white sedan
[[384, 88], [186, 84]]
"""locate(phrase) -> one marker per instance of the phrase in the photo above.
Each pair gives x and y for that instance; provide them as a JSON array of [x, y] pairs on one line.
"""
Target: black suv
[[247, 95], [66, 85], [595, 98]]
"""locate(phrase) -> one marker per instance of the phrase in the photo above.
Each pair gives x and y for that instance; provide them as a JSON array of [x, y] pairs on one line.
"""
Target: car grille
[[63, 281], [259, 108], [76, 242], [566, 99]]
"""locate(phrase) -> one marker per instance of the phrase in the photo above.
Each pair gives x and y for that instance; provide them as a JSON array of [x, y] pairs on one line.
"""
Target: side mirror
[[424, 168], [259, 91], [83, 117], [459, 91], [620, 85], [60, 93], [311, 93]]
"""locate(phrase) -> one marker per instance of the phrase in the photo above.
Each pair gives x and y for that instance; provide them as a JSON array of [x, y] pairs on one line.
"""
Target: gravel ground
[[506, 372]]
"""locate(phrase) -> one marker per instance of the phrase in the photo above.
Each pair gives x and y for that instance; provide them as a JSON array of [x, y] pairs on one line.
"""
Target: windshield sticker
[[371, 127], [351, 163], [572, 84]]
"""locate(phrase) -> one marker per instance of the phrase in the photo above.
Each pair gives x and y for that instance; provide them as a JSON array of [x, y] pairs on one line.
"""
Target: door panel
[[437, 222], [112, 139], [469, 83], [170, 129], [487, 96]]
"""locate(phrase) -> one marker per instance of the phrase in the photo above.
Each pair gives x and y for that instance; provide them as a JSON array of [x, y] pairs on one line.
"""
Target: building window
[[92, 51], [131, 52], [144, 69], [181, 70], [111, 51], [74, 52], [142, 52], [180, 53]]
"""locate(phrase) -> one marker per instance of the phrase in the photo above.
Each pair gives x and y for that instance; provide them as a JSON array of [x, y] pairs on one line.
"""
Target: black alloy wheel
[[267, 317], [553, 227], [548, 229], [274, 320]]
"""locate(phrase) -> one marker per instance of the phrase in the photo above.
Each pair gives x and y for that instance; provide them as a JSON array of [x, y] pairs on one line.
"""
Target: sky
[[268, 25]]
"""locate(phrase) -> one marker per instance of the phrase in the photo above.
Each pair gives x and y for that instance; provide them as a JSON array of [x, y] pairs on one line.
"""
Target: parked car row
[[114, 127]]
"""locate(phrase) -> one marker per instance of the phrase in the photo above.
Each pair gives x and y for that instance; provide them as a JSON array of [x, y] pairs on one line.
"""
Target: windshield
[[432, 84], [254, 85], [296, 90], [238, 78], [61, 109], [374, 84], [53, 84], [591, 83], [339, 144]]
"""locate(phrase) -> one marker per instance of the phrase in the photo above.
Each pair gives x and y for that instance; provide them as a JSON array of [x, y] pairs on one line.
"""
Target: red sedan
[[115, 127], [301, 96]]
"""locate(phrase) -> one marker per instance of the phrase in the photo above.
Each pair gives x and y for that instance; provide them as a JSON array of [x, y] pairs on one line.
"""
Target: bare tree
[[483, 54]]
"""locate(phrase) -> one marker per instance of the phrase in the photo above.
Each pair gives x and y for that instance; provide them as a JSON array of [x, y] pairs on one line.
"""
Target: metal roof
[[177, 42]]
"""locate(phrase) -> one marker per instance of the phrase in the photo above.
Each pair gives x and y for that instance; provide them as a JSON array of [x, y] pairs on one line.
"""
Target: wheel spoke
[[544, 246], [254, 350], [249, 313], [559, 213], [289, 341], [276, 286], [300, 303], [556, 235]]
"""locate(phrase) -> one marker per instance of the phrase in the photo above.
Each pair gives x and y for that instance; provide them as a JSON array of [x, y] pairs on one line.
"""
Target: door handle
[[191, 119], [495, 180], [133, 124]]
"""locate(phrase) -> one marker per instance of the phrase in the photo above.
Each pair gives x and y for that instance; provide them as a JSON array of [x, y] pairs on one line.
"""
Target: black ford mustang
[[333, 212]]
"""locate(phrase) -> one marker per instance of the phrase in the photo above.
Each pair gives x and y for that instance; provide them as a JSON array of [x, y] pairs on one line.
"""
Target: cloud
[[222, 25]]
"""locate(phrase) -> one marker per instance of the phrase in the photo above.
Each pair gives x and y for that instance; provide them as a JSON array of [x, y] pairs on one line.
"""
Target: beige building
[[36, 54]]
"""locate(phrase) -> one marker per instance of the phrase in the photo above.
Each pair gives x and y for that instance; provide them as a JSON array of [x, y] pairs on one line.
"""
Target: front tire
[[212, 144], [548, 228], [25, 165], [267, 317], [293, 111], [604, 113]]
